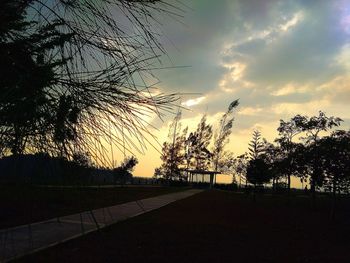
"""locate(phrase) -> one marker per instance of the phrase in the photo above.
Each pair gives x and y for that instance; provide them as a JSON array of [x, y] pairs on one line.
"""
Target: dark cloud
[[305, 53], [220, 33]]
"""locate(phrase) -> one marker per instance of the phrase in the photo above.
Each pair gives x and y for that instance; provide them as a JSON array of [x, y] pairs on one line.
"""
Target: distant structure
[[202, 176]]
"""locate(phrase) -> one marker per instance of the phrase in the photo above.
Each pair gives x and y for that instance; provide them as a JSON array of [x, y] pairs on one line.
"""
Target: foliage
[[258, 172], [173, 152], [123, 173], [77, 73], [82, 159], [173, 157], [256, 145], [240, 165], [222, 133], [27, 107], [304, 159], [312, 127], [287, 132], [316, 124], [181, 153], [300, 151], [198, 142], [334, 156], [273, 157], [226, 164]]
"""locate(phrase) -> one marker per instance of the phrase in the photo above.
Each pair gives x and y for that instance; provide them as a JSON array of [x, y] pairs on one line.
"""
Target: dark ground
[[24, 204], [218, 226]]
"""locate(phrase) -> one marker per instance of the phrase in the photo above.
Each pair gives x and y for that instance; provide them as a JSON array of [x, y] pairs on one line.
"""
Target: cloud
[[337, 90], [236, 70], [268, 34], [308, 108], [297, 17], [250, 111], [280, 58], [193, 102], [290, 88], [343, 57], [294, 45]]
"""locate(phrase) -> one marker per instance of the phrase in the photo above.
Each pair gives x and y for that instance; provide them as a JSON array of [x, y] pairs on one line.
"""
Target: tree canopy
[[78, 73]]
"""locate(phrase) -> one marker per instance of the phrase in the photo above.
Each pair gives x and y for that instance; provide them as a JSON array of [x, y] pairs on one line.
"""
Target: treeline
[[312, 149], [44, 169], [301, 151]]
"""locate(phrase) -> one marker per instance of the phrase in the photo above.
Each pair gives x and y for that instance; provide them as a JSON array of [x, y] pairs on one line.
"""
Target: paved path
[[22, 240]]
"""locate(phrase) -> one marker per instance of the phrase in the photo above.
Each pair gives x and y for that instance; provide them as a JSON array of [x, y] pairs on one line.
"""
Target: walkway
[[22, 240]]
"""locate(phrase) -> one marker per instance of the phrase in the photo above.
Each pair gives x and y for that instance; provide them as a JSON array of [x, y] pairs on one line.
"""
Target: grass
[[218, 226], [25, 204]]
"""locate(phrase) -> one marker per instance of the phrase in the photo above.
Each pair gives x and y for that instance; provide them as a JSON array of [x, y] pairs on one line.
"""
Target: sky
[[279, 58]]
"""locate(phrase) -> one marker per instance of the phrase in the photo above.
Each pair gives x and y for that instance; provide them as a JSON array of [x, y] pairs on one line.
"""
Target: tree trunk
[[288, 182], [313, 192], [334, 194], [288, 190]]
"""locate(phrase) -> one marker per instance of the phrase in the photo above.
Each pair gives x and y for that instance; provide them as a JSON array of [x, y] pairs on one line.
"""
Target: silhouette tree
[[176, 154], [226, 165], [123, 173], [26, 107], [334, 156], [300, 157], [158, 174], [258, 172], [198, 142], [173, 152], [82, 159], [222, 133], [188, 157], [313, 126], [240, 165], [257, 169], [287, 132], [256, 145], [80, 72], [273, 157]]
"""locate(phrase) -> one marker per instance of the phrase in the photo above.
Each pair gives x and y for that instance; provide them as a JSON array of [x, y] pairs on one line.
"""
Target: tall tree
[[174, 135], [226, 165], [256, 145], [199, 142], [258, 172], [313, 126], [299, 157], [173, 151], [222, 133], [334, 156], [273, 157], [288, 130], [240, 167], [257, 169]]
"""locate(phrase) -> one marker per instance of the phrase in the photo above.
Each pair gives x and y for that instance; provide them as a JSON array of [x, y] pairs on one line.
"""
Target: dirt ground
[[219, 226]]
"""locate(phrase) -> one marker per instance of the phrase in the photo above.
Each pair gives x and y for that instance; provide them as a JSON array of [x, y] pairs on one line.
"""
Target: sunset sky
[[280, 58]]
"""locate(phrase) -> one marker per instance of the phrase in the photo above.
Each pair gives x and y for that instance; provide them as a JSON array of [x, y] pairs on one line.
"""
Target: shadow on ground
[[218, 226]]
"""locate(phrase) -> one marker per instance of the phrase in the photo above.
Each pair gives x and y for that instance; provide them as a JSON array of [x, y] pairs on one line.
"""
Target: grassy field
[[219, 226], [24, 204]]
